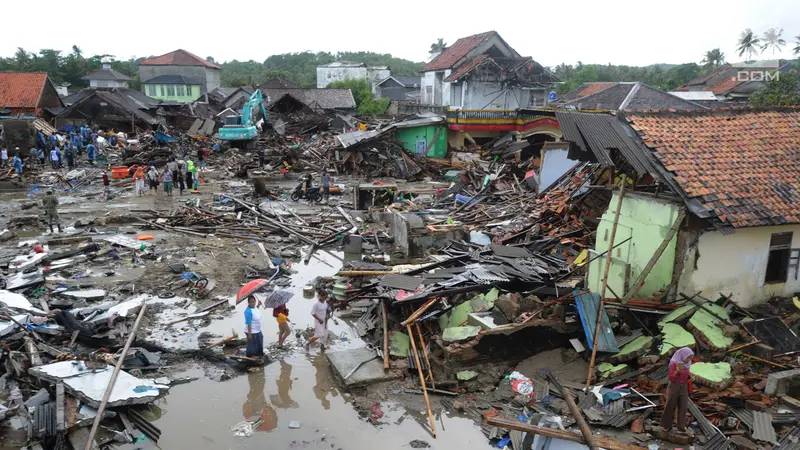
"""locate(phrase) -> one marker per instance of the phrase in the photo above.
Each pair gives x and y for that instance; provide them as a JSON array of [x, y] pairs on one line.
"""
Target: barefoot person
[[252, 322], [320, 312], [678, 390], [281, 315]]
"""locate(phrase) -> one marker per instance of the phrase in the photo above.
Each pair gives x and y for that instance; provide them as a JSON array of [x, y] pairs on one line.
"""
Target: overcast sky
[[617, 32]]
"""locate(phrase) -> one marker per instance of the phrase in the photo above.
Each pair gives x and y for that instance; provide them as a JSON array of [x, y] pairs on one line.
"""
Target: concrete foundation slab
[[344, 361]]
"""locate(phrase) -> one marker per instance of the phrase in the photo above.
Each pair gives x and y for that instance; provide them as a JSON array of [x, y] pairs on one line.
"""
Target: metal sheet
[[708, 429], [762, 427], [588, 304], [404, 282], [791, 440], [510, 252]]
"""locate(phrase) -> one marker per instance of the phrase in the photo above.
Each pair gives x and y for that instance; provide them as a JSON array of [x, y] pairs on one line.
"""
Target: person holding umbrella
[[252, 322]]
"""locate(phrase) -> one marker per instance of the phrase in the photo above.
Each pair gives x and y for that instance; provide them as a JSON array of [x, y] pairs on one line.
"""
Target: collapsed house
[[709, 205], [118, 108]]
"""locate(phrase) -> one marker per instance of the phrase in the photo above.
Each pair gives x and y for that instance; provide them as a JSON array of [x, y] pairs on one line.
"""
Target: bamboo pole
[[421, 379], [747, 355], [425, 354], [605, 281], [415, 315], [576, 413], [226, 340], [603, 442], [99, 417], [385, 337], [739, 347]]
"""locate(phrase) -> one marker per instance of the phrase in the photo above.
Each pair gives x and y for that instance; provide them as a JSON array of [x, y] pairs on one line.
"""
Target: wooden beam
[[603, 442], [639, 282], [605, 280], [385, 314], [421, 378]]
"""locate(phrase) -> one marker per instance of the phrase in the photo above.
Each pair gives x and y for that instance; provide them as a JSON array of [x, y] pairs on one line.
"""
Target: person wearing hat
[[50, 203]]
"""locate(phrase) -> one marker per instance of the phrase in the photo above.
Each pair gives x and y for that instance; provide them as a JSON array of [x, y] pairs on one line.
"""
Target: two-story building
[[482, 72], [179, 76]]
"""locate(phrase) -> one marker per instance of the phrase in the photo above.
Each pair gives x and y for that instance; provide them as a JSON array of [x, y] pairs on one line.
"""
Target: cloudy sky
[[618, 32]]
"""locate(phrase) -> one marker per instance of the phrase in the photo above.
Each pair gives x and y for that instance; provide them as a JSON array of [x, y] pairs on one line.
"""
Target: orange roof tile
[[593, 88], [742, 165], [21, 90], [179, 57], [725, 85], [454, 53]]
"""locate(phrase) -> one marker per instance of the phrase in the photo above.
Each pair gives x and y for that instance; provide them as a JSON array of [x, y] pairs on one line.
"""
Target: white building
[[349, 70], [107, 77], [481, 72]]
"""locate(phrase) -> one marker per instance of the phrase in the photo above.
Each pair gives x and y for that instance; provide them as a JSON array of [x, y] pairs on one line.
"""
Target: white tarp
[[17, 301]]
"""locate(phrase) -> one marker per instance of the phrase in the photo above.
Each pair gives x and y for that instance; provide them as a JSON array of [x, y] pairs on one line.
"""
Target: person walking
[[50, 203], [106, 186], [152, 179], [55, 158], [138, 178], [167, 178], [17, 163], [281, 315], [3, 157], [40, 155], [189, 173], [678, 390], [179, 174], [261, 158], [252, 322], [91, 153], [326, 185], [33, 156], [321, 313], [69, 153]]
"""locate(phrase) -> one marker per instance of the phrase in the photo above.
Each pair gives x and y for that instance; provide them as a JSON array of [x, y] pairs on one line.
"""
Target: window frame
[[779, 258]]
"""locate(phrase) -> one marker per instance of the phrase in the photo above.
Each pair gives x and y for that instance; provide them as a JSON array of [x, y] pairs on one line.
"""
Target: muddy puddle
[[296, 387]]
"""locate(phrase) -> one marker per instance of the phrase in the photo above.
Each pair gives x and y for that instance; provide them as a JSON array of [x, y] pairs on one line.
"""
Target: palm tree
[[713, 58], [773, 40], [77, 51], [748, 43], [796, 49]]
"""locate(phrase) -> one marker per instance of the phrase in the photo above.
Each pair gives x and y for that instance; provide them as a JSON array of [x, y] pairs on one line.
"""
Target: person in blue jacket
[[17, 163], [91, 153]]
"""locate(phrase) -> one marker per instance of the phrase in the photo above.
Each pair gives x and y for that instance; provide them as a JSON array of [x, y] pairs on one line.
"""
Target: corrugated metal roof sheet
[[762, 427]]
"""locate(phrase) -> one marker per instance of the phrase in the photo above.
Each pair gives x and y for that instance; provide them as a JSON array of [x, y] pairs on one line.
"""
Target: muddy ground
[[295, 387]]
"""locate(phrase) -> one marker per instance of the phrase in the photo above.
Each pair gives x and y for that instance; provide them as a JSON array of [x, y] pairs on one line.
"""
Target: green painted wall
[[410, 136], [647, 221], [162, 92]]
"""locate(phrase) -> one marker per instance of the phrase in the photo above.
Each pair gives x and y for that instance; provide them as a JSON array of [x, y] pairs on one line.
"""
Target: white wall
[[555, 163], [108, 83], [212, 79], [736, 263], [426, 88], [327, 75], [375, 76], [491, 96]]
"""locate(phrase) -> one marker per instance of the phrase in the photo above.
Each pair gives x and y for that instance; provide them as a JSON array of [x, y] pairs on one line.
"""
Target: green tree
[[773, 40], [713, 58], [782, 91], [796, 49], [366, 103], [748, 43]]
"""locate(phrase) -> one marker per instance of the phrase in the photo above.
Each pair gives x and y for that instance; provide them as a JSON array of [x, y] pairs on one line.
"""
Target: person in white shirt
[[321, 313], [3, 157], [252, 322]]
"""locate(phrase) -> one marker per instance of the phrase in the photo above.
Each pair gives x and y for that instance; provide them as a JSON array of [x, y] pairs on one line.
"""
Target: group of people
[[320, 312], [16, 160], [184, 173], [61, 147]]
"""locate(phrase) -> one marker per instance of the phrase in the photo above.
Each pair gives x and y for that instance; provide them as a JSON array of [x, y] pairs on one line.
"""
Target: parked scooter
[[313, 194]]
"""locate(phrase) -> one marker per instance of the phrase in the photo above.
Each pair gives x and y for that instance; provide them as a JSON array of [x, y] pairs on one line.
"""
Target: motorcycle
[[313, 194]]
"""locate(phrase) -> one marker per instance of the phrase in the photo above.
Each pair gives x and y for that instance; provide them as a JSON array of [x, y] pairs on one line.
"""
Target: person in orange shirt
[[138, 177], [281, 314]]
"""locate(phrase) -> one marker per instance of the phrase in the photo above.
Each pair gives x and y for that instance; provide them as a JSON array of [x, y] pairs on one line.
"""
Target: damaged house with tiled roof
[[482, 72], [734, 83], [710, 203], [629, 96]]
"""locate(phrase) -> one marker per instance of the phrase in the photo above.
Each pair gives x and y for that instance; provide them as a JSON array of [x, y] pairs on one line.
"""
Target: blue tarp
[[162, 138], [587, 304]]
